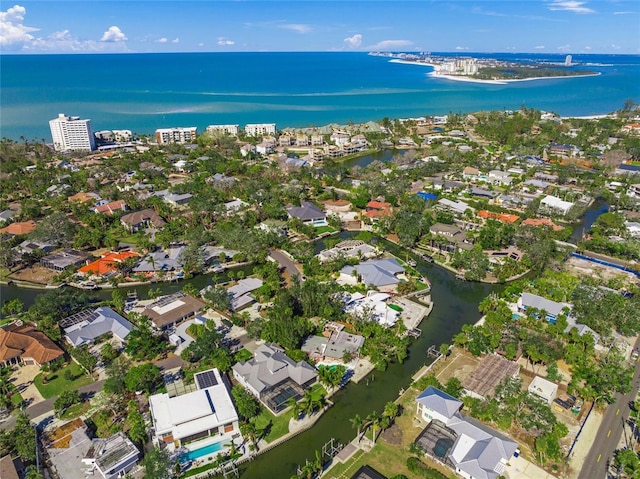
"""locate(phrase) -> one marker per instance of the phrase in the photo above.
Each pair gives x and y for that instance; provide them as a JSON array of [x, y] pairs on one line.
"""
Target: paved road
[[610, 432], [286, 262], [43, 407]]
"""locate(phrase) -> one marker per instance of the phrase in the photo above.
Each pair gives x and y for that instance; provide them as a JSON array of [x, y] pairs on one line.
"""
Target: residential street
[[43, 407], [610, 432]]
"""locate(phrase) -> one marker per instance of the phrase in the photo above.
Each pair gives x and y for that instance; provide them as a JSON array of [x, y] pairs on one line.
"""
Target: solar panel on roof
[[86, 315], [206, 379]]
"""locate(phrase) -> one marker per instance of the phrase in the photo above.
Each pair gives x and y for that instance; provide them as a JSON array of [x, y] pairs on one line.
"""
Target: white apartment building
[[230, 129], [72, 133], [176, 135], [256, 129]]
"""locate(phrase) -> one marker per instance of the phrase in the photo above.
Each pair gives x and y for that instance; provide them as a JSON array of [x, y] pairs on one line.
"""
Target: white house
[[543, 388], [196, 417], [554, 205], [473, 450]]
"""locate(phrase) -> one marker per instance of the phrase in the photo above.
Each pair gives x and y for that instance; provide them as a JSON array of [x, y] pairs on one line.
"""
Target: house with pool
[[472, 449], [198, 423]]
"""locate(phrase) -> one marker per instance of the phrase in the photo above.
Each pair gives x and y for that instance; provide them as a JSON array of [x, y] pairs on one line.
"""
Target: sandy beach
[[464, 78]]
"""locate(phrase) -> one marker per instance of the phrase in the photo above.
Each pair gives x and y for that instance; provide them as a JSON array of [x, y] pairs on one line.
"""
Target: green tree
[[247, 405], [85, 358], [65, 400], [145, 377], [357, 422], [157, 464]]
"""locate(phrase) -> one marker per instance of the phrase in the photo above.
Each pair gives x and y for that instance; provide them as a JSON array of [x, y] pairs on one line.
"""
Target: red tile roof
[[503, 217], [23, 228], [541, 222], [107, 263], [26, 342]]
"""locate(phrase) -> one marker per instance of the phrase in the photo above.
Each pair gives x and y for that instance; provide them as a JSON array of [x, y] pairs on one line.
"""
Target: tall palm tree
[[374, 422], [357, 422], [295, 406]]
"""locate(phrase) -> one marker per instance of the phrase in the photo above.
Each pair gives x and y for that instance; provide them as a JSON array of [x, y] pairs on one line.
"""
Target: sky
[[155, 26]]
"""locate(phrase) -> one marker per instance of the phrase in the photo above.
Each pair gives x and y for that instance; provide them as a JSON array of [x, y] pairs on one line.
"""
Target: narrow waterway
[[597, 208], [455, 304]]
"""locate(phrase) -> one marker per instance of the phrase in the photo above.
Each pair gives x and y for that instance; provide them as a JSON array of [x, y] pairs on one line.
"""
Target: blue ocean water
[[142, 92]]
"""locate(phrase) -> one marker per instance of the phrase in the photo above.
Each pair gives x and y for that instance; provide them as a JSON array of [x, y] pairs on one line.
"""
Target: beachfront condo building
[[176, 135], [256, 129], [70, 133], [228, 129]]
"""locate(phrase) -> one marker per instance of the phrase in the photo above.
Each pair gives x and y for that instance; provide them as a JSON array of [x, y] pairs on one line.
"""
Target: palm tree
[[390, 410], [374, 422], [357, 422], [295, 406]]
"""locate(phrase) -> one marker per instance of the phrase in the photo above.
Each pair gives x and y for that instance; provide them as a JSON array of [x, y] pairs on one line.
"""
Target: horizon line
[[458, 52]]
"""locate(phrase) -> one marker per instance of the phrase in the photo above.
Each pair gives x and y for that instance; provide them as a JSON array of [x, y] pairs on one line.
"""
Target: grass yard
[[324, 229], [76, 410], [16, 397], [59, 384], [390, 458], [279, 424]]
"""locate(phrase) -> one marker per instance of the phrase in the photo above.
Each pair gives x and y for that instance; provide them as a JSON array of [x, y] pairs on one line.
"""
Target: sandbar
[[464, 78]]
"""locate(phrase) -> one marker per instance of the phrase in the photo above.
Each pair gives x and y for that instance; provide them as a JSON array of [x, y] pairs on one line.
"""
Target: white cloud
[[462, 48], [175, 40], [570, 6], [224, 42], [615, 47], [587, 48], [539, 47], [12, 31], [354, 42], [162, 40], [564, 48], [201, 44], [113, 34], [391, 45], [627, 13], [296, 27]]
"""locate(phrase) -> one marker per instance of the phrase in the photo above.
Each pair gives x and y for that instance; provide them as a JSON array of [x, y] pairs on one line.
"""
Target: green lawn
[[76, 410], [59, 384], [280, 424], [324, 229], [16, 397]]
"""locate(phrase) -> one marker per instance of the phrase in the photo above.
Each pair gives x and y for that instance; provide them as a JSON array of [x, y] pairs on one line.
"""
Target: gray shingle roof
[[534, 301], [439, 401]]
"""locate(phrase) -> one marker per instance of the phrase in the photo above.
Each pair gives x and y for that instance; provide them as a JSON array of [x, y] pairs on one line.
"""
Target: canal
[[455, 304]]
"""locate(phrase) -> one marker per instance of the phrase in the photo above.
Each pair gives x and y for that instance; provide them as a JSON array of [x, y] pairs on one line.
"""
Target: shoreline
[[464, 78]]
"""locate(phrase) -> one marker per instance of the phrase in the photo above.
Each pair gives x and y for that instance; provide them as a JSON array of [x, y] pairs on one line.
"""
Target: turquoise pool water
[[201, 452]]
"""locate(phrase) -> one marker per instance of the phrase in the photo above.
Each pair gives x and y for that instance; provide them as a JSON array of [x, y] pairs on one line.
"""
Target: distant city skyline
[[534, 26]]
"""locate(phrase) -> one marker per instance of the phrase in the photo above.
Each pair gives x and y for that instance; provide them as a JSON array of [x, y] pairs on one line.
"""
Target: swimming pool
[[201, 452]]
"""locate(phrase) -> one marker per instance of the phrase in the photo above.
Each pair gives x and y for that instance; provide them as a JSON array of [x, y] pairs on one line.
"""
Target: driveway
[[23, 380], [285, 261], [181, 331]]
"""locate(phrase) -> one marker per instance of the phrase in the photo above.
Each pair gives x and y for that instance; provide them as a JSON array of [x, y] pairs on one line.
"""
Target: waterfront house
[[23, 344], [473, 450], [273, 377], [555, 206], [67, 258], [88, 325], [367, 472], [195, 418], [348, 249], [449, 238], [107, 264], [382, 274], [333, 344], [541, 222], [164, 260], [240, 293], [171, 309]]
